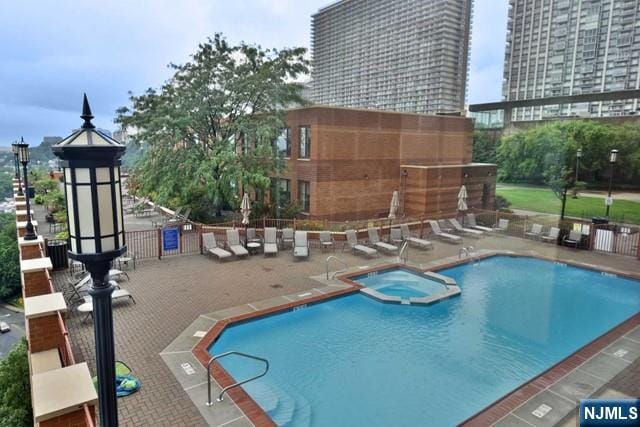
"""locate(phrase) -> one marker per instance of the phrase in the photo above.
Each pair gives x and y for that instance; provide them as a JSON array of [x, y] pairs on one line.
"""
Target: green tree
[[15, 394], [484, 146], [208, 131], [9, 258]]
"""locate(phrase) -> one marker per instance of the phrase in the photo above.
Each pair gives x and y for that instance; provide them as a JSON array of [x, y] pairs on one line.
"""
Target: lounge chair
[[552, 235], [573, 238], [471, 220], [445, 227], [233, 242], [502, 226], [211, 246], [180, 217], [468, 231], [435, 227], [352, 241], [374, 239], [87, 306], [125, 259], [536, 231], [300, 245], [395, 235], [252, 236], [326, 241], [270, 241], [134, 207], [415, 241], [287, 237]]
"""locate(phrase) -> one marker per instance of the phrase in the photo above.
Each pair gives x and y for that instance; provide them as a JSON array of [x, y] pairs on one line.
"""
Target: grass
[[543, 200]]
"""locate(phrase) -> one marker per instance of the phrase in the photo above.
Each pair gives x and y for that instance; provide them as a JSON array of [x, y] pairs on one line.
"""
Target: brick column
[[35, 276], [30, 249]]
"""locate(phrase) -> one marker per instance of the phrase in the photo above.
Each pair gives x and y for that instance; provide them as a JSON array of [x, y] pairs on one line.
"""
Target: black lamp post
[[23, 155], [578, 157], [16, 163], [613, 158], [91, 163]]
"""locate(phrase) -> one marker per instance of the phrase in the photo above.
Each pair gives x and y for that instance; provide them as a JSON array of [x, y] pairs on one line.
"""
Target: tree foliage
[[208, 131], [15, 394], [9, 258], [485, 143], [547, 153]]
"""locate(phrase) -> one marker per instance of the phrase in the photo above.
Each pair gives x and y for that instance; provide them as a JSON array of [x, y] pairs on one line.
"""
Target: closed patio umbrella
[[462, 199], [395, 204], [245, 210]]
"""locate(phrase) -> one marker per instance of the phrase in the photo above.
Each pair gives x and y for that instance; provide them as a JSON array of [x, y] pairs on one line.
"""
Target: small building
[[345, 164]]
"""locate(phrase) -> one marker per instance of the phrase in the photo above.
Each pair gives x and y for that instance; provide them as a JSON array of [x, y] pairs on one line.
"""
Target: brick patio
[[173, 292]]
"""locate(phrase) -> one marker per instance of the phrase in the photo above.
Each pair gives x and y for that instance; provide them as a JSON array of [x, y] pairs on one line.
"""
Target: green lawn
[[543, 200]]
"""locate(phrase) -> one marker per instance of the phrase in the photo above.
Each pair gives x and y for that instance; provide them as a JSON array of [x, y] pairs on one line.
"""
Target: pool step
[[285, 410]]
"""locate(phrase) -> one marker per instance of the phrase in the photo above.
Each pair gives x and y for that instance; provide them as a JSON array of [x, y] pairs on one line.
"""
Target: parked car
[[4, 327]]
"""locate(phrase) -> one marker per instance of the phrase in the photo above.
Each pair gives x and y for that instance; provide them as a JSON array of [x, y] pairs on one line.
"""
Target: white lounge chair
[[270, 241], [415, 241], [468, 231], [87, 306], [471, 220], [326, 241], [395, 236], [287, 237], [536, 231], [301, 245], [252, 236], [573, 238], [552, 235], [233, 242], [211, 246], [352, 241], [435, 228], [503, 225], [374, 239]]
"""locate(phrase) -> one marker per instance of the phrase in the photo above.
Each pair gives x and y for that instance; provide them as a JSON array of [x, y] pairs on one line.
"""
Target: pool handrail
[[326, 265], [239, 383], [404, 250]]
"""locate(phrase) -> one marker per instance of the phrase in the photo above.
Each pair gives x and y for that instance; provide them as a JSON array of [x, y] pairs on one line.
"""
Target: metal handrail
[[326, 264], [404, 249], [239, 383]]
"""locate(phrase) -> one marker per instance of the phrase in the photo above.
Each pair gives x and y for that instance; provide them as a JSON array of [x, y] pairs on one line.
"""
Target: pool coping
[[494, 411]]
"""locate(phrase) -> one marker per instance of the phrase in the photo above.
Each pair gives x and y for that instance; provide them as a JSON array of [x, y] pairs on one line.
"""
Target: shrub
[[501, 203], [9, 258], [15, 394]]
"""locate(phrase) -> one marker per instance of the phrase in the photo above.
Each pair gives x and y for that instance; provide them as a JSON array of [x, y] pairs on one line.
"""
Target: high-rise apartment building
[[572, 47], [397, 55]]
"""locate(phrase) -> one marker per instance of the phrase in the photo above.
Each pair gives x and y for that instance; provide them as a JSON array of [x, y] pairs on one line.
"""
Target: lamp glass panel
[[105, 209], [102, 175], [23, 154], [82, 176], [85, 212], [119, 206], [67, 175], [88, 246], [108, 244], [74, 246], [70, 212]]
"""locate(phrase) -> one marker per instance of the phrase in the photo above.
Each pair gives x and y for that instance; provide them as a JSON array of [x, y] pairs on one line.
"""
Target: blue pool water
[[353, 361], [401, 283]]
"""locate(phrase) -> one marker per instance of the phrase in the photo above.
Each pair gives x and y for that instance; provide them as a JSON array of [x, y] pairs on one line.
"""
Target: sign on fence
[[170, 239]]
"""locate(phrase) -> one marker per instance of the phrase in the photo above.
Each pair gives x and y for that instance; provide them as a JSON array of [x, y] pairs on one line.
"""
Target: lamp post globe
[[613, 158], [16, 163], [92, 186]]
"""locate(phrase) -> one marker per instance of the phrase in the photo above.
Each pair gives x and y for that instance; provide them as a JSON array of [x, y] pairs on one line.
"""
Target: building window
[[283, 143], [282, 191], [304, 192], [305, 142]]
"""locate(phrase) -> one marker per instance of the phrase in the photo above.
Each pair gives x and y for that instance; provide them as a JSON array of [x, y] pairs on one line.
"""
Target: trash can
[[57, 251], [31, 192], [600, 220]]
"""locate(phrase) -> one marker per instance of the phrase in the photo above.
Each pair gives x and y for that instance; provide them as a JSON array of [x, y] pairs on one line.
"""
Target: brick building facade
[[344, 164]]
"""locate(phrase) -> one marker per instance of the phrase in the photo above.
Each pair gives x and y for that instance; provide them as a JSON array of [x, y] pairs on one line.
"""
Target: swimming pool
[[401, 283], [354, 361]]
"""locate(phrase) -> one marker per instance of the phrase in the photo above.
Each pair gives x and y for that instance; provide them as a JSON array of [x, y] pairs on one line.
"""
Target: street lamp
[[613, 157], [23, 155], [16, 163], [578, 157], [91, 164]]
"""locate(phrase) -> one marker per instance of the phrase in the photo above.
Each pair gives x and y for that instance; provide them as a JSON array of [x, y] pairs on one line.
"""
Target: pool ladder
[[468, 251], [239, 383], [326, 265], [403, 255]]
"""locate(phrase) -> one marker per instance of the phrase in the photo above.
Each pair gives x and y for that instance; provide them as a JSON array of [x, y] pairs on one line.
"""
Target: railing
[[329, 258], [404, 250], [237, 384]]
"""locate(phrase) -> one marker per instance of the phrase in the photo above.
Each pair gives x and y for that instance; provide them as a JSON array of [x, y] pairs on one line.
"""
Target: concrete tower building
[[397, 55], [572, 47]]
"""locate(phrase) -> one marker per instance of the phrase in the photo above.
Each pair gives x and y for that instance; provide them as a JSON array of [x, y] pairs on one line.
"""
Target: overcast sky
[[53, 51]]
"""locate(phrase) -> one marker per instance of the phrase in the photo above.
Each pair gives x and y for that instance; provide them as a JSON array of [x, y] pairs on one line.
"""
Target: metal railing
[[237, 384], [404, 250], [326, 264]]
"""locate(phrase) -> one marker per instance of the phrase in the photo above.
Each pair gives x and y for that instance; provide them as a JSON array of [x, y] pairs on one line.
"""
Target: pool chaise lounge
[[468, 231], [352, 241], [435, 227], [211, 246], [471, 220], [87, 306], [233, 242], [552, 235], [374, 239], [270, 241], [502, 226], [535, 232], [300, 245], [415, 241]]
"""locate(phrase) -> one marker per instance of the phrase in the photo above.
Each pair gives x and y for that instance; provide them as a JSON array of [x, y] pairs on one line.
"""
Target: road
[[8, 339]]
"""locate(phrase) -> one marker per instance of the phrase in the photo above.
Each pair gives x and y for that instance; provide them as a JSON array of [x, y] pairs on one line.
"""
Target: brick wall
[[44, 333]]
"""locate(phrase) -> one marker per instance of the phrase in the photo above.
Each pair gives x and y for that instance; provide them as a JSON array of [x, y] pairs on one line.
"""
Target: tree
[[484, 146], [15, 394], [9, 258], [208, 131]]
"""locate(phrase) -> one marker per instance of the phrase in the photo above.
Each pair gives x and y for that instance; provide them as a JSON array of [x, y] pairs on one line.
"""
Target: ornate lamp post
[[578, 157], [613, 158], [23, 155], [91, 164], [16, 163]]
